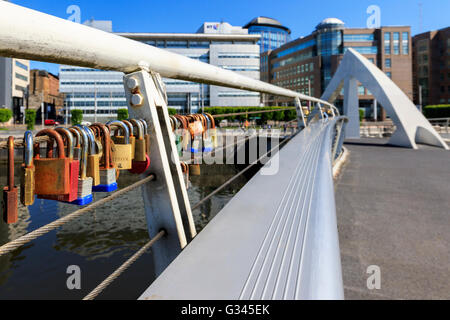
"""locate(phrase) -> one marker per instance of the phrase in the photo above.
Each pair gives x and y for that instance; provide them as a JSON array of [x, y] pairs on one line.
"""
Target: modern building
[[307, 64], [44, 93], [431, 67], [101, 93], [273, 33], [14, 81]]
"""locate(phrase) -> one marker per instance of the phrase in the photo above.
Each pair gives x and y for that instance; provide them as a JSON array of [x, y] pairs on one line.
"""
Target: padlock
[[146, 136], [141, 161], [212, 130], [27, 171], [84, 195], [11, 192], [77, 144], [93, 159], [52, 174], [184, 132], [185, 170], [73, 170], [121, 152], [207, 139], [108, 181], [132, 138]]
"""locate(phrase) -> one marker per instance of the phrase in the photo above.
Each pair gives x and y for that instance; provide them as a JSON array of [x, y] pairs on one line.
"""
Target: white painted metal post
[[301, 121], [166, 201], [351, 108]]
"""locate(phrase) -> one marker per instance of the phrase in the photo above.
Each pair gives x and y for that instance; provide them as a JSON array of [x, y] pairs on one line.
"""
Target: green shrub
[[362, 114], [77, 116], [278, 116], [30, 119], [122, 114], [172, 111], [437, 111], [5, 115]]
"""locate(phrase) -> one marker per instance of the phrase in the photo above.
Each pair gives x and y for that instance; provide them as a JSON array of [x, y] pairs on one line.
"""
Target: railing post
[[166, 200], [300, 114]]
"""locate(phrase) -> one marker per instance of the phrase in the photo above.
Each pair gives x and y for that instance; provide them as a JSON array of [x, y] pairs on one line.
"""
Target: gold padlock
[[122, 152], [140, 145], [121, 139], [27, 172], [146, 136]]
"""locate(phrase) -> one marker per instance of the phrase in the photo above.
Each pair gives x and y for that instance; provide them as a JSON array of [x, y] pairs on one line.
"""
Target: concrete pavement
[[393, 209]]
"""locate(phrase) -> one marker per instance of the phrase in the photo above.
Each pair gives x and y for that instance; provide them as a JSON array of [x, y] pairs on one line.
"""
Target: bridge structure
[[278, 237]]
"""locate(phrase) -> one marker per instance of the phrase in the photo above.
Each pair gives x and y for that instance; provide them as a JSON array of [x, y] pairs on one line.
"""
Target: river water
[[98, 242]]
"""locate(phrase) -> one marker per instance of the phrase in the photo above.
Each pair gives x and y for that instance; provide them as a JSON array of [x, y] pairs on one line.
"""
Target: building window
[[405, 43], [21, 65], [387, 43], [21, 77], [389, 74], [360, 90], [358, 37], [388, 63], [396, 43], [311, 67], [363, 50], [372, 60]]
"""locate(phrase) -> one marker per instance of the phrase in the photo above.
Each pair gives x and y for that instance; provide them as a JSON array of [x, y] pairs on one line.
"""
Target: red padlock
[[11, 192], [74, 169], [51, 174]]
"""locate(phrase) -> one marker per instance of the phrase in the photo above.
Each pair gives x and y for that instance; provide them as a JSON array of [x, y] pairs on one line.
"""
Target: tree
[[30, 119], [77, 116], [5, 115], [122, 114]]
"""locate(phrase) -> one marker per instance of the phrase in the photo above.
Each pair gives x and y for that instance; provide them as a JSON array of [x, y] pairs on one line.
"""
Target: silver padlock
[[84, 182]]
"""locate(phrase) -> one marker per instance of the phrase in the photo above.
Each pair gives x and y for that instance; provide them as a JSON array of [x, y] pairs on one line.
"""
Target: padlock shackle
[[106, 143], [56, 136], [77, 135], [28, 149], [130, 127], [84, 151], [144, 124], [91, 138], [10, 163], [139, 126], [123, 126], [69, 138]]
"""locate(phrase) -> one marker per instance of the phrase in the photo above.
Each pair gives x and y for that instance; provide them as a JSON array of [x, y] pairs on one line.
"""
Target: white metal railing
[[43, 37]]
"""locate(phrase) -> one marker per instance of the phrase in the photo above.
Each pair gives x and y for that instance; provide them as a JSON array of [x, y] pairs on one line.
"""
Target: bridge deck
[[266, 243], [393, 208]]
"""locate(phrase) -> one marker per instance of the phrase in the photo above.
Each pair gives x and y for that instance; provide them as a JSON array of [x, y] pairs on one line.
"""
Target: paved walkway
[[393, 208]]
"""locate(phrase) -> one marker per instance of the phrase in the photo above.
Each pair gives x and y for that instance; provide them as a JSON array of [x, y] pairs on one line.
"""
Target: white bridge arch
[[412, 126]]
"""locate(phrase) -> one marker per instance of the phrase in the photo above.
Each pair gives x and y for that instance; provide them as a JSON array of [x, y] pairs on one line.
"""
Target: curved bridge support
[[412, 126]]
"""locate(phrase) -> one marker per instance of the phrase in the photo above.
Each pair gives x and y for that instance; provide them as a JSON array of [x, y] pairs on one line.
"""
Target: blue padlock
[[84, 182]]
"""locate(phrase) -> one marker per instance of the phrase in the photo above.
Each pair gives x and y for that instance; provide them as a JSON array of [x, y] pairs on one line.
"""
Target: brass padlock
[[108, 181], [146, 136], [132, 138], [27, 171], [212, 130], [77, 144], [52, 174], [11, 192], [139, 145], [122, 152]]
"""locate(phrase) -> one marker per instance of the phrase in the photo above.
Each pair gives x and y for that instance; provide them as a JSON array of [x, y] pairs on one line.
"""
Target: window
[[387, 43], [360, 90], [311, 67], [21, 77], [396, 43], [388, 63], [358, 37], [389, 74], [364, 50], [405, 43], [372, 60], [21, 65]]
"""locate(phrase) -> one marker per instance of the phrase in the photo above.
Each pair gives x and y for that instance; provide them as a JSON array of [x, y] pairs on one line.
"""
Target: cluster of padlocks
[[89, 159], [197, 131]]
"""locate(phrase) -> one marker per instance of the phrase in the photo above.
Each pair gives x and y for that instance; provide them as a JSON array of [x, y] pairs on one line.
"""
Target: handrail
[[46, 38]]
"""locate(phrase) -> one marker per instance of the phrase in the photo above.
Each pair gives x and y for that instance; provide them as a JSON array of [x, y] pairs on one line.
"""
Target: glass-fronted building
[[100, 93], [273, 33]]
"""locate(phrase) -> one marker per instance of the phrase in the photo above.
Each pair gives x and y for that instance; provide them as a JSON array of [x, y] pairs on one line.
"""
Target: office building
[[307, 64], [273, 33], [14, 81], [101, 93], [431, 67]]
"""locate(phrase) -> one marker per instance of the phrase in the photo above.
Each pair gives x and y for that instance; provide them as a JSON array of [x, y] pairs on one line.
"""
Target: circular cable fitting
[[132, 83], [137, 100]]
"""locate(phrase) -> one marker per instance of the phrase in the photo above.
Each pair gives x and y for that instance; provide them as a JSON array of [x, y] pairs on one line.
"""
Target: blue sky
[[299, 15]]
